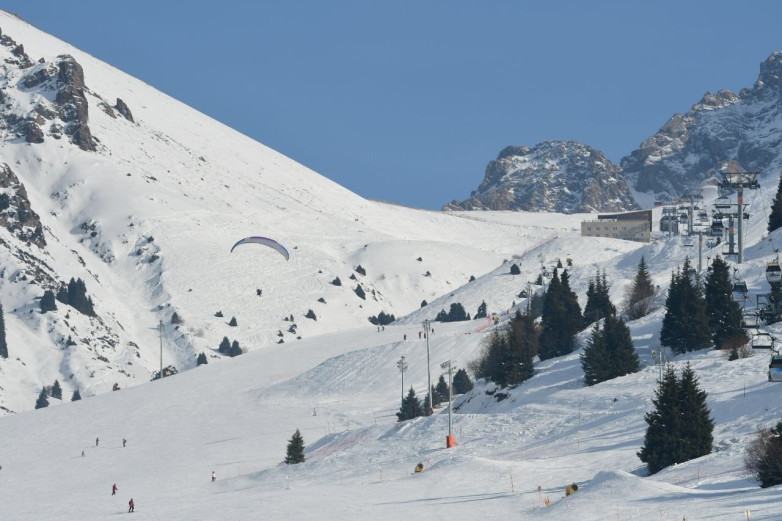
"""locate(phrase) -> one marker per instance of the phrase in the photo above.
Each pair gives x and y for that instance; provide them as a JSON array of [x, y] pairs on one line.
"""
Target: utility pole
[[529, 297], [427, 329], [160, 333], [449, 441], [402, 365]]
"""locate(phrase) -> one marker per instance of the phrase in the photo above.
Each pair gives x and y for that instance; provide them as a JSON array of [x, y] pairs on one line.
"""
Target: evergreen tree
[[3, 344], [42, 400], [724, 312], [76, 396], [561, 318], [598, 304], [295, 452], [461, 382], [594, 358], [775, 219], [481, 313], [175, 318], [639, 297], [696, 423], [437, 398], [56, 390], [680, 428], [411, 407], [661, 446], [442, 390], [514, 269], [685, 324], [360, 292], [535, 305], [522, 346], [619, 345], [235, 349], [225, 346], [48, 302], [201, 360], [423, 303], [62, 294], [233, 322]]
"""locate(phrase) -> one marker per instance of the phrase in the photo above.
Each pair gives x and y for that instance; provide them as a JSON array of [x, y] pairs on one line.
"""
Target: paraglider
[[265, 241]]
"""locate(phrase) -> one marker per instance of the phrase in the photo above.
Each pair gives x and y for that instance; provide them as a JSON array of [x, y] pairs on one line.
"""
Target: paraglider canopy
[[265, 241]]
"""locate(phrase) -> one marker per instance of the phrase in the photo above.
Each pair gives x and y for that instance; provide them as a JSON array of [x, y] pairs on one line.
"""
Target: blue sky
[[407, 101]]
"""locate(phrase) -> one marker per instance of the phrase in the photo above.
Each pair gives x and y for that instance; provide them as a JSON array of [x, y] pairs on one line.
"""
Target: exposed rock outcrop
[[554, 176], [123, 109], [16, 213]]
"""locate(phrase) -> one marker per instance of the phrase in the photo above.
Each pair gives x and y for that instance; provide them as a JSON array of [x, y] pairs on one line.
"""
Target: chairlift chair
[[717, 228], [774, 272], [775, 368], [723, 203], [762, 340]]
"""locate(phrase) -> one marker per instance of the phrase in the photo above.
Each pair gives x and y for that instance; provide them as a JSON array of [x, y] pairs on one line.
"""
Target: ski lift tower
[[739, 181], [691, 195]]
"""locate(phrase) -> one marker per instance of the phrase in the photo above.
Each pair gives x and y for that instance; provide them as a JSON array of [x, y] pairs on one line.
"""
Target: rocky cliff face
[[722, 131], [554, 176]]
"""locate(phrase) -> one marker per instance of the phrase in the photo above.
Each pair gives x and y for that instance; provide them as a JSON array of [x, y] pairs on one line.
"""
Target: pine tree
[[775, 219], [619, 346], [461, 382], [3, 344], [42, 400], [724, 312], [481, 313], [639, 300], [235, 349], [696, 423], [514, 269], [56, 390], [685, 325], [62, 294], [48, 302], [442, 390], [201, 359], [661, 446], [76, 396], [232, 322], [598, 304], [225, 346], [295, 451], [522, 346], [561, 318], [594, 358], [411, 407]]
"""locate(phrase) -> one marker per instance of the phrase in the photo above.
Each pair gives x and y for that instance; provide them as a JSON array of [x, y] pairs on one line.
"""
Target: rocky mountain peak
[[553, 176], [770, 72]]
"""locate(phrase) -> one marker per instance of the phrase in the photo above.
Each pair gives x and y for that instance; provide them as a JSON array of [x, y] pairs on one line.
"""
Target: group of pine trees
[[506, 358], [229, 348], [74, 295], [456, 313], [698, 316], [561, 319], [54, 391], [680, 427], [413, 407]]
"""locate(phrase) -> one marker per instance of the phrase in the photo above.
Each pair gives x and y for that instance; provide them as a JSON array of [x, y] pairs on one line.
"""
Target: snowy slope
[[339, 384]]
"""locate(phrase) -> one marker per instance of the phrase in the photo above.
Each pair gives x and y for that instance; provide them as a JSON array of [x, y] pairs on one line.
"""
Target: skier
[[114, 489], [82, 454], [213, 477], [131, 506], [405, 337], [96, 441], [419, 335], [124, 441]]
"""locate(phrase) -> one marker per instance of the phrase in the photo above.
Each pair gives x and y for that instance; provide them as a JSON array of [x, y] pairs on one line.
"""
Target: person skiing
[[213, 476], [114, 489], [82, 454], [96, 441], [131, 506], [124, 441]]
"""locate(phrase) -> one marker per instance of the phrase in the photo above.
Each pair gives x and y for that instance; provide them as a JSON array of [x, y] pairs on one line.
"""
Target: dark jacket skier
[[130, 505], [114, 489]]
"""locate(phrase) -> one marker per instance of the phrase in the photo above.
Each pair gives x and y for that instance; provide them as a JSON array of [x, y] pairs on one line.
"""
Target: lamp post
[[428, 371], [449, 441], [402, 365]]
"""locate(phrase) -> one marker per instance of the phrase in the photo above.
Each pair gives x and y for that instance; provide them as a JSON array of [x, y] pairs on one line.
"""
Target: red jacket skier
[[114, 489]]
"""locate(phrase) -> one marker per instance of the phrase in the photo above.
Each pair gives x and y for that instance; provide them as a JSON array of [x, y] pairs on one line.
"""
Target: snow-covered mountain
[[723, 131], [553, 176], [112, 182], [142, 198]]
